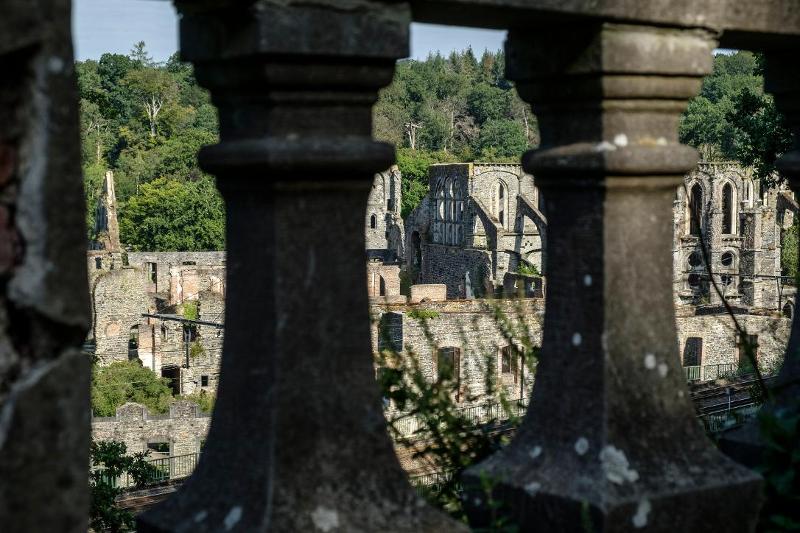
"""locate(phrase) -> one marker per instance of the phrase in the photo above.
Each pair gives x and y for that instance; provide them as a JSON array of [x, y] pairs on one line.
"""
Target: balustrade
[[297, 442]]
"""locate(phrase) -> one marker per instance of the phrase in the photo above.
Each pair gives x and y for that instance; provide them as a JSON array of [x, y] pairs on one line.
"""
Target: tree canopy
[[734, 119], [146, 122], [128, 381]]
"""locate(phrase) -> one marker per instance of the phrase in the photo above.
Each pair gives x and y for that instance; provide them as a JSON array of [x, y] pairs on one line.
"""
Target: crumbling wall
[[721, 341], [184, 427], [119, 297], [468, 325]]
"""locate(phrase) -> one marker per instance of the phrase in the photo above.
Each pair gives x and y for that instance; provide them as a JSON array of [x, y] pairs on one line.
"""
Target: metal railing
[[408, 425], [721, 421], [161, 470], [692, 373], [712, 372]]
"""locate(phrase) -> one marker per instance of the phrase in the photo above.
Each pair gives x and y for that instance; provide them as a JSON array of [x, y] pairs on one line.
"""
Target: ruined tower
[[106, 227]]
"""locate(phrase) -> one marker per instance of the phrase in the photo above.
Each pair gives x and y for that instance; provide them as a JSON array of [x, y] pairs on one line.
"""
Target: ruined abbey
[[474, 245]]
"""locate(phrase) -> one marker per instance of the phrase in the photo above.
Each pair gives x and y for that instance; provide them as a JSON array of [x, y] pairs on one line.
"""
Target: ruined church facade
[[478, 225], [728, 231]]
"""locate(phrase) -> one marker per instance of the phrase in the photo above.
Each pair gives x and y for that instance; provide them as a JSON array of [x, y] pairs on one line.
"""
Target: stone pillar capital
[[609, 97]]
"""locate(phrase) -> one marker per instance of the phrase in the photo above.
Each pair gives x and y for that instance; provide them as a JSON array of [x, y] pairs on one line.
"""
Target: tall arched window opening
[[727, 209], [695, 209], [748, 193], [501, 204], [373, 222]]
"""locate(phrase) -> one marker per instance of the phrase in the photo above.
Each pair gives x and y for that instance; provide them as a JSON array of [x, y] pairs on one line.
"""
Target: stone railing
[[610, 443]]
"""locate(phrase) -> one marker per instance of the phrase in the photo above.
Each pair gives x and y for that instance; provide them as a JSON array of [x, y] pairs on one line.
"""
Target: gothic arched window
[[502, 204], [373, 221], [727, 209], [695, 209]]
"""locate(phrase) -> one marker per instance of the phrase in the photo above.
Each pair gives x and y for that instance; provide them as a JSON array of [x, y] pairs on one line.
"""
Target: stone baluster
[[298, 439], [610, 441], [746, 445], [44, 301]]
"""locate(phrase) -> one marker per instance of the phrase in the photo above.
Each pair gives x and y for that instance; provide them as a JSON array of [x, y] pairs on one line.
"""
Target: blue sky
[[101, 26]]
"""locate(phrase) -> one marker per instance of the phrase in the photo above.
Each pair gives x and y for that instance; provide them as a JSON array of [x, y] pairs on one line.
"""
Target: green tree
[[110, 461], [761, 136], [153, 90], [128, 381], [502, 139], [789, 251], [170, 215]]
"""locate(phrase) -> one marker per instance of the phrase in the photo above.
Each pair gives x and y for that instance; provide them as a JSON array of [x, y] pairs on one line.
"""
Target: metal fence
[[161, 470], [711, 372], [718, 422]]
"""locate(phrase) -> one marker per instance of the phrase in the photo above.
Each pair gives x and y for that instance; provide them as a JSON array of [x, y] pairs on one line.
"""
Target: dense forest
[[146, 122]]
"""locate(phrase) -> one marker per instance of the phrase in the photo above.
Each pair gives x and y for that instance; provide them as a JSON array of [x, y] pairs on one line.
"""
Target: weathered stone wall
[[753, 243], [721, 342], [184, 427], [382, 280], [433, 292], [458, 269], [166, 260], [383, 212], [468, 325], [470, 230], [119, 297]]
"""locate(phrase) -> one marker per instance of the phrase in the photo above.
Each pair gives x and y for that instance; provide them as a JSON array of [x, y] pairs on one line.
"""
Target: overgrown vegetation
[[423, 314], [110, 461], [205, 400], [128, 381], [528, 269], [447, 439]]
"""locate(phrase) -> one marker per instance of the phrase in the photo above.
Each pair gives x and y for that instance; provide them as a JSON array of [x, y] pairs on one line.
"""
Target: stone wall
[[473, 227], [164, 261], [468, 325], [119, 297], [432, 292], [382, 280], [720, 342], [184, 427], [383, 225]]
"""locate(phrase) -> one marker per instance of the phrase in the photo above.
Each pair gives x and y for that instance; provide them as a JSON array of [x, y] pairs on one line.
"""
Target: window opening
[[695, 209], [693, 351], [727, 209]]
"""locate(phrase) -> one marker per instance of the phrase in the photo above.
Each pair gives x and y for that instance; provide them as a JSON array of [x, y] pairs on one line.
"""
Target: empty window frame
[[728, 209], [695, 209], [204, 380], [373, 221], [509, 362], [98, 263], [448, 363], [748, 351], [693, 351], [152, 272]]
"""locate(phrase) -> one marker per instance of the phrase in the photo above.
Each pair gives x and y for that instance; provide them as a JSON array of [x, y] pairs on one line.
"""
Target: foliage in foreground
[[781, 469], [109, 462], [448, 440]]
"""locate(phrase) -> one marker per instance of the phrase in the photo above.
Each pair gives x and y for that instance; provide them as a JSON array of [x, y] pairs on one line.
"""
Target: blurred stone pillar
[[746, 445], [44, 308], [610, 441], [298, 439]]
